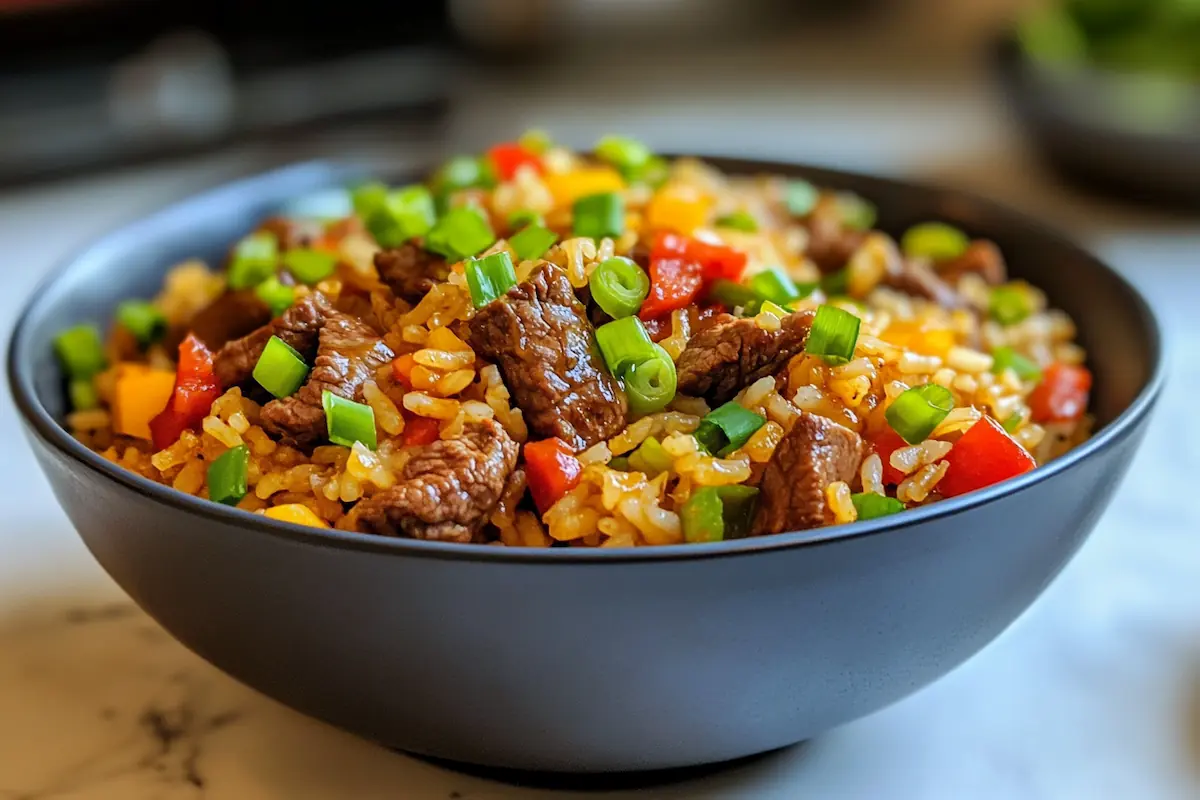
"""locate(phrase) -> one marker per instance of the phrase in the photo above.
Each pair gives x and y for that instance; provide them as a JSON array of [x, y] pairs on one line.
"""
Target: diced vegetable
[[872, 506], [624, 343], [653, 173], [739, 220], [650, 385], [280, 369], [143, 319], [1062, 396], [525, 217], [227, 476], [727, 428], [310, 266], [139, 394], [857, 213], [367, 198], [567, 187], [619, 463], [489, 277], [276, 295], [716, 513], [460, 234], [1014, 421], [80, 351], [775, 285], [678, 208], [917, 411], [733, 295], [836, 284], [833, 335], [462, 172], [297, 514], [535, 141], [347, 421], [1025, 368], [532, 241], [773, 308], [884, 444], [650, 458], [628, 155], [1009, 304], [402, 368], [83, 395], [404, 213], [936, 241], [679, 267], [254, 260], [509, 157], [801, 198], [599, 215], [619, 286], [984, 455], [552, 470], [420, 430], [196, 389]]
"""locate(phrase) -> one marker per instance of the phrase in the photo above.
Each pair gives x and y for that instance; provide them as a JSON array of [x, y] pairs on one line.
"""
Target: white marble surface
[[1095, 693]]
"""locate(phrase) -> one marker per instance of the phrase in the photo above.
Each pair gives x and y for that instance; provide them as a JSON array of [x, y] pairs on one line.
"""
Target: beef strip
[[447, 490], [830, 243], [540, 337], [231, 316], [916, 277], [298, 326], [720, 361], [410, 271], [982, 258], [348, 354], [814, 453]]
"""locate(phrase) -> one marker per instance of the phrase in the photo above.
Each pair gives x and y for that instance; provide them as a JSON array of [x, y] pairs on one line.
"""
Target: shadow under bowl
[[584, 660]]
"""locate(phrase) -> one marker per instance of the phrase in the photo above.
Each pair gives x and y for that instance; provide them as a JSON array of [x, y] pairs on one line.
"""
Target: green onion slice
[[716, 513], [310, 266], [348, 422], [1025, 368], [489, 277], [653, 173], [276, 295], [650, 458], [727, 428], [917, 411], [280, 369], [731, 294], [1014, 421], [773, 308], [739, 220], [463, 172], [619, 463], [80, 351], [254, 260], [837, 283], [833, 335], [650, 385], [857, 213], [535, 141], [410, 210], [872, 506], [525, 217], [532, 241], [367, 198], [936, 241], [227, 476], [775, 285], [1008, 305], [460, 234], [83, 394], [143, 319], [627, 155], [599, 215], [619, 286], [801, 198], [624, 344]]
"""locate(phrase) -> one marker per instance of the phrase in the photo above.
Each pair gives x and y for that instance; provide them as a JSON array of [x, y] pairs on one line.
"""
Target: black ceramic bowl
[[587, 660]]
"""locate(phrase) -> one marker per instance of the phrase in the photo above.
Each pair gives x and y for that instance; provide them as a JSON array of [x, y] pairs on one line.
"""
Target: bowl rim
[[39, 421]]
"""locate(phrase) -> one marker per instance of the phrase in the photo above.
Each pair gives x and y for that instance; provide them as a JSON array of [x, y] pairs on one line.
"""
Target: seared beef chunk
[[297, 326], [410, 271], [830, 243], [540, 337], [231, 316], [981, 257], [348, 354], [814, 453], [722, 360], [447, 490], [916, 277]]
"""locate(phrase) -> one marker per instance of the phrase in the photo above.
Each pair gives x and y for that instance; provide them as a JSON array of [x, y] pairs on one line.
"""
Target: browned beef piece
[[981, 257], [348, 354], [231, 316], [830, 243], [298, 326], [916, 277], [722, 360], [410, 271], [447, 490], [814, 453], [540, 337]]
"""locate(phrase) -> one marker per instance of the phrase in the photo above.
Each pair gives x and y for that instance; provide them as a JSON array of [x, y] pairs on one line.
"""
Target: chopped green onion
[[775, 285], [367, 199], [460, 234], [463, 172], [599, 215], [773, 308], [310, 266], [227, 476], [653, 173], [836, 284], [1025, 368], [857, 214], [254, 260], [872, 506], [525, 217], [280, 369], [1008, 305], [650, 385], [80, 351], [535, 141], [489, 277], [532, 241], [731, 294], [627, 155], [404, 213], [650, 458], [1014, 421], [619, 463], [833, 335], [276, 295], [624, 344], [716, 513], [143, 320], [936, 241], [83, 394], [733, 424], [348, 422], [801, 198], [919, 410], [619, 286], [739, 220]]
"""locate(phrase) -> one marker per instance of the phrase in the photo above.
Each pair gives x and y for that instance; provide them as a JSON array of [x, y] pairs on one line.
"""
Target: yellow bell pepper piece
[[567, 187], [139, 394], [679, 208], [296, 513]]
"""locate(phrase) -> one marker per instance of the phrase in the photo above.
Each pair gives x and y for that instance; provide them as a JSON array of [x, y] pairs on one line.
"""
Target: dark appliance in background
[[93, 83]]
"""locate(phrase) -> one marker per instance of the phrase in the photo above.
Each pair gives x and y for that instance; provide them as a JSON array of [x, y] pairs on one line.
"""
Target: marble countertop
[[1094, 693]]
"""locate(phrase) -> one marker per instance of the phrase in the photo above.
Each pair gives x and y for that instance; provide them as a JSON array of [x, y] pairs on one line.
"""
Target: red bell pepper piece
[[196, 389], [680, 267], [884, 445], [1062, 396], [984, 455], [552, 470], [420, 430], [508, 157]]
